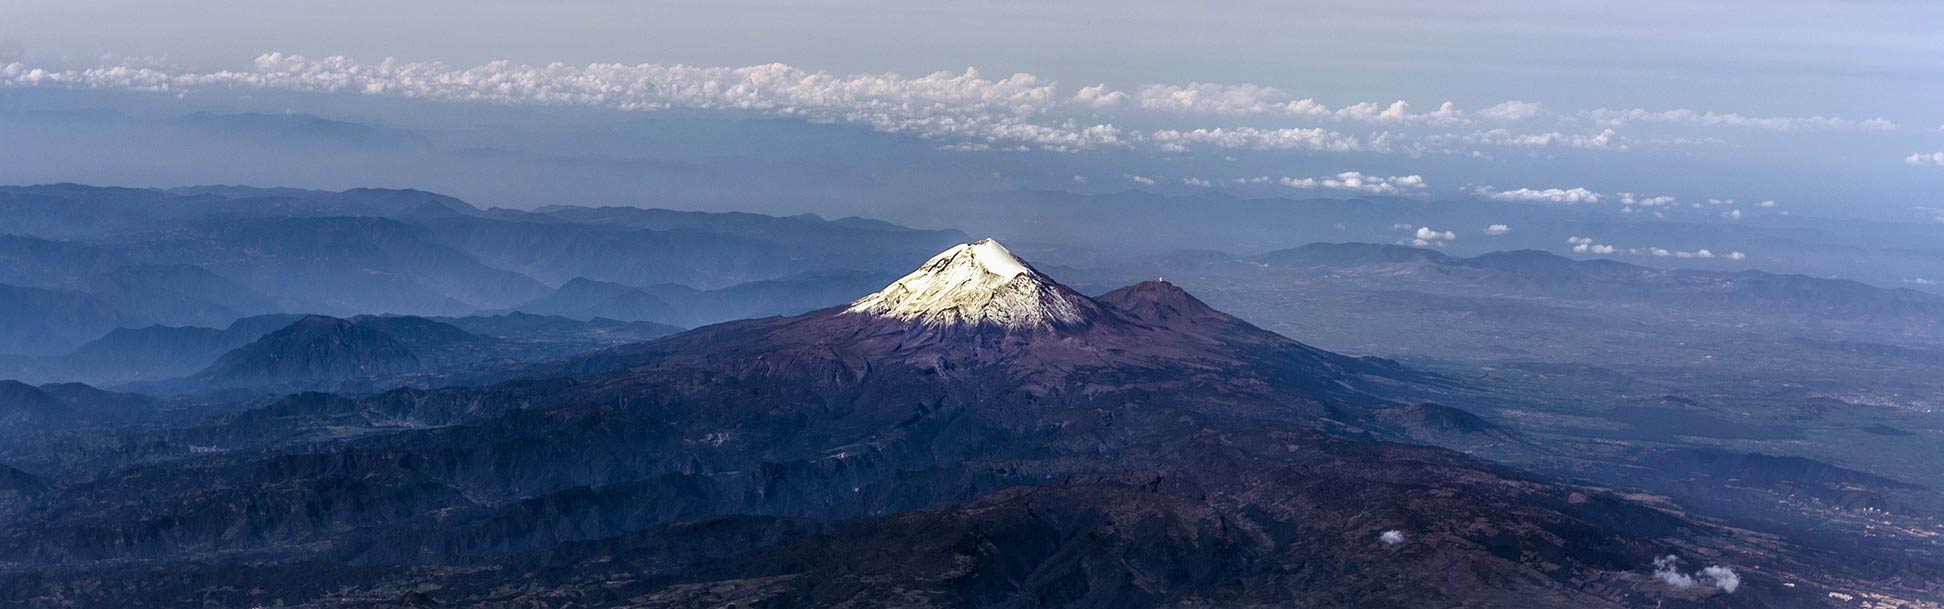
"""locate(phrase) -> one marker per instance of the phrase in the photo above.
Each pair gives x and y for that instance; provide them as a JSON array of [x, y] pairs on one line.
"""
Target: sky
[[1826, 106]]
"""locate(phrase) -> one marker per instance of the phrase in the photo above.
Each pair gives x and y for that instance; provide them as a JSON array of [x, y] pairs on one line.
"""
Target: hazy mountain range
[[394, 398], [82, 261], [1135, 449]]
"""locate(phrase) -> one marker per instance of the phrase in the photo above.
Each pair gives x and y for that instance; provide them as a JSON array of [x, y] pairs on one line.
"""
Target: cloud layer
[[966, 109]]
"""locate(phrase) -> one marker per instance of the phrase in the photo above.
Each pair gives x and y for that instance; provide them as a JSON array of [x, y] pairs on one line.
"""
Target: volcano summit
[[980, 284]]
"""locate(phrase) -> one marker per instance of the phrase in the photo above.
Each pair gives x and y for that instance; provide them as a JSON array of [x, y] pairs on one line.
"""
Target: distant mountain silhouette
[[24, 406], [583, 298], [205, 255], [176, 293], [1561, 277], [37, 321], [314, 348], [518, 326], [300, 130]]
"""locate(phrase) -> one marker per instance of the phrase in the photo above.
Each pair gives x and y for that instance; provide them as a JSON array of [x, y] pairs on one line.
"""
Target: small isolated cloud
[[1703, 253], [1920, 281], [1357, 181], [1431, 237], [1391, 537], [1196, 182], [1667, 569], [1733, 214], [1079, 179], [1628, 198], [1497, 229], [1935, 159], [1512, 111], [1766, 204], [1547, 195], [1585, 245], [1722, 577], [1403, 226], [1099, 97], [1142, 180]]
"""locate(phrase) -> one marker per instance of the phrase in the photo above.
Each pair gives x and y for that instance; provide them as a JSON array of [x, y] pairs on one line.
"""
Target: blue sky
[[1825, 106]]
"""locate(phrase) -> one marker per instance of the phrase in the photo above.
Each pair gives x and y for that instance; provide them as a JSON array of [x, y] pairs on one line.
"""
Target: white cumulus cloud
[[1628, 198], [1357, 181], [1667, 569], [1430, 237], [1288, 138], [1926, 158], [1546, 195]]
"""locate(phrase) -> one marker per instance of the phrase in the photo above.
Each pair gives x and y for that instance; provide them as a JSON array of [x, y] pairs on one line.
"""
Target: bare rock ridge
[[980, 284]]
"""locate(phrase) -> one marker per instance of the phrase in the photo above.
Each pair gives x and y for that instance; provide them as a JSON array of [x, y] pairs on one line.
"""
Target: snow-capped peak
[[979, 283]]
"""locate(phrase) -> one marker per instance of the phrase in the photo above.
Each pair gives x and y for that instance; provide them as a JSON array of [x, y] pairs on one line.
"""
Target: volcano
[[973, 435]]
